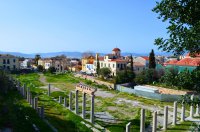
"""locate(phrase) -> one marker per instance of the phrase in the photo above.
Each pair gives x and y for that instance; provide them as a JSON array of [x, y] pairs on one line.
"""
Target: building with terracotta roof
[[187, 62], [9, 62], [144, 60], [114, 61]]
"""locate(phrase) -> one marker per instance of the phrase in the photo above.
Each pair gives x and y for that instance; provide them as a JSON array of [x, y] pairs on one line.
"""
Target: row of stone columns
[[25, 92]]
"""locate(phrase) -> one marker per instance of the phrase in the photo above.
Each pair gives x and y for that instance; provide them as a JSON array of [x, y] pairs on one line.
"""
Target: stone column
[[60, 99], [42, 112], [49, 89], [165, 121], [92, 109], [142, 120], [84, 105], [128, 127], [65, 102], [30, 98], [175, 113], [197, 110], [76, 102], [24, 92], [35, 103], [191, 111], [183, 112], [27, 95], [154, 127], [70, 101]]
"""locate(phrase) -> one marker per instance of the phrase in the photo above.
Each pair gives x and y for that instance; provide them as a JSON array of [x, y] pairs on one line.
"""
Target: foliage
[[170, 77], [195, 75], [105, 72], [52, 69], [40, 68], [98, 65], [184, 25], [147, 76], [184, 79], [131, 63], [125, 76], [152, 61], [37, 57]]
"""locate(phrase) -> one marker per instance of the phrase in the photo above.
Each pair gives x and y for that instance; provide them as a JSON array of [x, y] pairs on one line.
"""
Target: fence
[[146, 94]]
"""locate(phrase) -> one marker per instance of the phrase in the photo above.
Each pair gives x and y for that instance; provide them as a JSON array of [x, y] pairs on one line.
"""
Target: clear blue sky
[[31, 26]]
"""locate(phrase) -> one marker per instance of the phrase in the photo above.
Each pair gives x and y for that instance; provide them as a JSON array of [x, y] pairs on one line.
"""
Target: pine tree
[[152, 61]]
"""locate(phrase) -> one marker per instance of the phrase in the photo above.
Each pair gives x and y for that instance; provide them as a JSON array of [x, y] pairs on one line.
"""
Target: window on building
[[138, 69], [104, 64], [117, 65], [108, 65], [4, 66], [8, 61], [4, 61], [8, 67], [14, 67], [14, 60], [101, 64], [113, 65]]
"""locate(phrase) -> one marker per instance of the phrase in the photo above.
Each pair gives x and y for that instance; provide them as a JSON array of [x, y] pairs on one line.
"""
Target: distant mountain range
[[74, 54]]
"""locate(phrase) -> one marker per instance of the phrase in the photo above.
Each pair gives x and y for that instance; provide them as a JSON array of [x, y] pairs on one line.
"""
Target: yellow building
[[87, 60], [9, 62]]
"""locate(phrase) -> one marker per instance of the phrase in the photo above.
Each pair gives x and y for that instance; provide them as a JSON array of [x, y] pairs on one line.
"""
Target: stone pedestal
[[84, 105], [154, 127], [30, 98], [92, 109], [24, 91], [128, 127], [197, 110], [49, 89], [70, 101], [165, 121], [76, 102], [65, 102], [191, 111], [60, 99], [142, 120], [42, 112], [35, 103], [183, 112], [175, 114]]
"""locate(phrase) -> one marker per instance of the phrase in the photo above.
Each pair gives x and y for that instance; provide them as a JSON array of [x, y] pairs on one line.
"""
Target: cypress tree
[[98, 65], [131, 63], [152, 61]]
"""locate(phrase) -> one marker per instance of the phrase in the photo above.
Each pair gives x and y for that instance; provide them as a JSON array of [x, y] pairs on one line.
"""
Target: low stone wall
[[156, 96], [109, 85]]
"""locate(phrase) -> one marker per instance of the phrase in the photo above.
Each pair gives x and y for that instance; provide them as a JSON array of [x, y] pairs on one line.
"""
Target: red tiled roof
[[185, 62], [116, 49], [138, 64], [101, 58], [145, 57], [118, 60]]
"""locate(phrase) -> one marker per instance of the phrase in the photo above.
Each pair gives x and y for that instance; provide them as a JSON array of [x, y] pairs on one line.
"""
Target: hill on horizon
[[73, 54]]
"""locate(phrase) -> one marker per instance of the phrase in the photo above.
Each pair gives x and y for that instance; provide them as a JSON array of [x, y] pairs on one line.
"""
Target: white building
[[112, 61], [25, 64]]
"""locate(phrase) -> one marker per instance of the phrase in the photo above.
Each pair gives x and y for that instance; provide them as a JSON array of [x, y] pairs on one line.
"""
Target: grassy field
[[59, 116], [17, 114]]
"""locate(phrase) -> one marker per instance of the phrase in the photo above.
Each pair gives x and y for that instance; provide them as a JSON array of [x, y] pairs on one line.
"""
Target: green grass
[[183, 127], [60, 117], [17, 114]]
